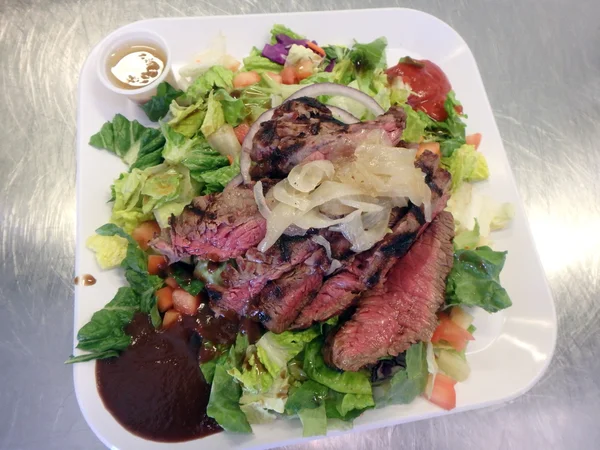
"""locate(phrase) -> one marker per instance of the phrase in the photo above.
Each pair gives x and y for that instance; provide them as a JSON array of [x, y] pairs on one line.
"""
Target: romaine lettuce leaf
[[215, 118], [224, 402], [466, 164], [308, 395], [282, 29], [223, 405], [135, 144], [234, 110], [407, 383], [276, 350], [415, 127], [186, 120], [345, 382], [158, 106], [467, 239], [109, 250], [216, 180], [260, 64], [314, 421], [475, 280], [214, 78], [104, 335]]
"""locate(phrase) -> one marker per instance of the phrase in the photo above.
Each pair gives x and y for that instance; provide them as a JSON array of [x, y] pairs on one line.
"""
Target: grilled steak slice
[[402, 311], [244, 280], [281, 300], [218, 227], [365, 270], [304, 129]]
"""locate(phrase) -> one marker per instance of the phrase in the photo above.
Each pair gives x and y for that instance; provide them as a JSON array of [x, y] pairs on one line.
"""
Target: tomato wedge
[[156, 264], [473, 139], [442, 391], [450, 332]]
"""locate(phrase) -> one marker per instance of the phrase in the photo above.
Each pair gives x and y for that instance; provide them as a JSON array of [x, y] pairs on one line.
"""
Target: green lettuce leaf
[[451, 132], [466, 164], [261, 64], [415, 127], [223, 405], [467, 239], [276, 350], [105, 331], [314, 421], [158, 106], [369, 56], [308, 395], [475, 280], [225, 393], [407, 383], [183, 275], [109, 250], [215, 117], [135, 144], [214, 78], [216, 180], [234, 110], [345, 382], [177, 145], [282, 29], [186, 120]]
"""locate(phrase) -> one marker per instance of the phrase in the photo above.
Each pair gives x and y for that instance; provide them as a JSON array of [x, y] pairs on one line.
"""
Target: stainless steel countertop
[[540, 64]]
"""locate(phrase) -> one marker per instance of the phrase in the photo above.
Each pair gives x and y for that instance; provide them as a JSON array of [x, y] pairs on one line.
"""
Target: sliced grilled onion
[[335, 264], [247, 144], [314, 90], [343, 115], [261, 202]]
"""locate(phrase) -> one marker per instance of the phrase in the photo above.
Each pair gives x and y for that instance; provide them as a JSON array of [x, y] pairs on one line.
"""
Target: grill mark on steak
[[216, 227], [364, 270], [305, 126], [402, 312], [245, 279], [281, 300]]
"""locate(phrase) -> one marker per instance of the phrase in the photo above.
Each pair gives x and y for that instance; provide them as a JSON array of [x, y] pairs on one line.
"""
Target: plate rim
[[520, 205]]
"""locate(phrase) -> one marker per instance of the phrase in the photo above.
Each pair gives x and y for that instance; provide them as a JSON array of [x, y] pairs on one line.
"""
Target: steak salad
[[301, 238]]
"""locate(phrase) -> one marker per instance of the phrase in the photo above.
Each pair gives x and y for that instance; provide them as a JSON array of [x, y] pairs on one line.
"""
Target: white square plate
[[512, 348]]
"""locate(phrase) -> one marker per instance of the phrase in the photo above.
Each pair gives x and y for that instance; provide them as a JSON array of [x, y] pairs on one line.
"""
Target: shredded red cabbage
[[278, 52]]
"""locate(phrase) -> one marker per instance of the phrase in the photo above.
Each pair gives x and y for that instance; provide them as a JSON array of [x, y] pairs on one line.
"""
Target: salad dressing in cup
[[134, 63]]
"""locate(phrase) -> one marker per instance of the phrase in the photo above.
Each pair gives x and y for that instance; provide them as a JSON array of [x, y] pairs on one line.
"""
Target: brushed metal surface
[[540, 64]]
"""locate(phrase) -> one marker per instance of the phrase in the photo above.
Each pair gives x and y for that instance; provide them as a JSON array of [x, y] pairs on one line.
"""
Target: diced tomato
[[450, 332], [304, 69], [288, 75], [474, 139], [274, 76], [156, 264], [315, 48], [433, 147], [145, 232], [241, 131], [185, 303], [442, 393], [171, 317], [244, 79], [164, 298], [170, 281]]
